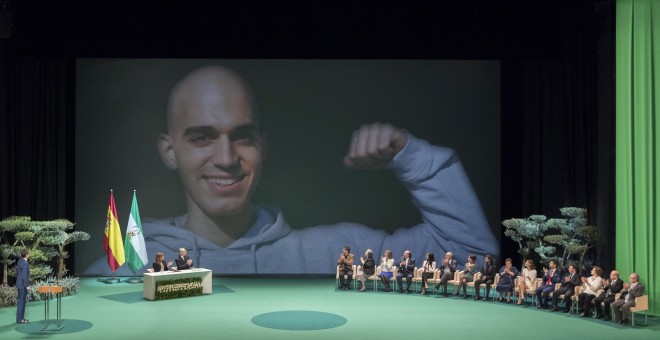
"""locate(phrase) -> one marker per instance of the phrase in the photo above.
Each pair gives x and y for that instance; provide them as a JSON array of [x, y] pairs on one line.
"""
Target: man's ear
[[264, 147], [166, 151]]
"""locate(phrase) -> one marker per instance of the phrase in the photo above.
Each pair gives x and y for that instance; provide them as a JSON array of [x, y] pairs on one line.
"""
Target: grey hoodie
[[452, 220]]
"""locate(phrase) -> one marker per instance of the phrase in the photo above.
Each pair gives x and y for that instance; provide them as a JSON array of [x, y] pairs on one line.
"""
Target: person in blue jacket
[[23, 285], [214, 142]]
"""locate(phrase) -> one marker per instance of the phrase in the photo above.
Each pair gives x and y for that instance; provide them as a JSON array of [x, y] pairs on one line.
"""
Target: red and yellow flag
[[112, 242]]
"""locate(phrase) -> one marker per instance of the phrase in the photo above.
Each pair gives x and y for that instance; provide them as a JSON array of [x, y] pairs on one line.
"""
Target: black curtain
[[38, 135], [558, 129]]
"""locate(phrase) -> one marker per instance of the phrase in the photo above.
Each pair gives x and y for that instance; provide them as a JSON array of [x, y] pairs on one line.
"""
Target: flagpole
[[134, 279], [110, 280], [134, 246]]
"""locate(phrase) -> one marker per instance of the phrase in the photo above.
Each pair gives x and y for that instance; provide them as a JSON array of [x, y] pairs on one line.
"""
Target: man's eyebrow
[[202, 129], [209, 130], [251, 127]]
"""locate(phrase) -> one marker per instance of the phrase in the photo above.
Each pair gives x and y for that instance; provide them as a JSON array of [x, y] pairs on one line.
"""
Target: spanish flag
[[112, 243]]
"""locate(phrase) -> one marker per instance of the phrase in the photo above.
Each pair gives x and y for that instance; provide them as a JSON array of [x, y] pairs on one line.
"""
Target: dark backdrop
[[556, 63]]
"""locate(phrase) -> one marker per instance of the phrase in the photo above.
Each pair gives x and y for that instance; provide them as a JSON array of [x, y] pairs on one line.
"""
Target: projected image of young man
[[215, 143]]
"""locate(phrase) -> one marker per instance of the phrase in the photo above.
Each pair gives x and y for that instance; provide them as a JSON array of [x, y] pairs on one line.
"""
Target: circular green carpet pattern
[[299, 320], [69, 326]]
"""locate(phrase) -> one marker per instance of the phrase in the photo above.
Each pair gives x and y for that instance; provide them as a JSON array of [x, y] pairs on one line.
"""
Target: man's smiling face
[[214, 142]]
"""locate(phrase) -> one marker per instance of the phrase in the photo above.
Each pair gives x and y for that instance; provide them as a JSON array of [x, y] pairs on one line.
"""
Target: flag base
[[134, 280], [110, 280]]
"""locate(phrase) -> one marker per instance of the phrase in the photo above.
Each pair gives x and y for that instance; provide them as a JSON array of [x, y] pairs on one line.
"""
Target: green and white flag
[[134, 248]]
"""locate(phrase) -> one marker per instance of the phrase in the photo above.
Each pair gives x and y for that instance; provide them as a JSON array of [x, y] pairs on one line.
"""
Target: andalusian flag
[[136, 250], [112, 243]]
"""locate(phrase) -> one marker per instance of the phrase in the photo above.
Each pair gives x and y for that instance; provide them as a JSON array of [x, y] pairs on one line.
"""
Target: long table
[[150, 280]]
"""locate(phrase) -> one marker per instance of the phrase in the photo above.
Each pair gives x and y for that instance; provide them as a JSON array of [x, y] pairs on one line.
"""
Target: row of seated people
[[572, 288]]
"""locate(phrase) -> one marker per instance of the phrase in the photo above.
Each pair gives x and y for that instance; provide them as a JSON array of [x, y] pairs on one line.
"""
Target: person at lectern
[[215, 142], [159, 264], [183, 261], [23, 285]]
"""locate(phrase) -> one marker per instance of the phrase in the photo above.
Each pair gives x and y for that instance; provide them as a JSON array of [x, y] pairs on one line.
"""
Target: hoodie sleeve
[[453, 219]]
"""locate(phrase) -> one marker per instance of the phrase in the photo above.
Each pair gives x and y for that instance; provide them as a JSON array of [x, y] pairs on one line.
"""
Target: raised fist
[[374, 145]]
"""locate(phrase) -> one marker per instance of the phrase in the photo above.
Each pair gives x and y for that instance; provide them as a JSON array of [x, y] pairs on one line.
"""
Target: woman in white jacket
[[590, 286]]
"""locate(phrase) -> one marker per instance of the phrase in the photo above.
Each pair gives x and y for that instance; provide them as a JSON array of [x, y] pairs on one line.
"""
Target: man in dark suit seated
[[567, 288], [488, 272], [630, 291], [183, 261], [550, 279], [406, 269], [614, 285]]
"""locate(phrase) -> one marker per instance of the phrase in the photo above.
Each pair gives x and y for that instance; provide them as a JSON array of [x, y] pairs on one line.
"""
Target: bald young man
[[214, 142]]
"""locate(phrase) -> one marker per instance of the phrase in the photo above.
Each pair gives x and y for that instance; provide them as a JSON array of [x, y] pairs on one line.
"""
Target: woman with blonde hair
[[526, 280], [386, 265], [591, 285], [368, 268]]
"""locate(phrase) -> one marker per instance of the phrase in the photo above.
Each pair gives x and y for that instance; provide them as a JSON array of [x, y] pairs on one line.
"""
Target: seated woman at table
[[508, 275], [159, 263]]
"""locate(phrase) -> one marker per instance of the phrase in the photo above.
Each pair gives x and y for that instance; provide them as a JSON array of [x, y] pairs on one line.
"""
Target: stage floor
[[301, 308]]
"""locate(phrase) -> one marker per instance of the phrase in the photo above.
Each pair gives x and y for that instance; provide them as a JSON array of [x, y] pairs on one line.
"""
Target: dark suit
[[369, 266], [627, 300], [157, 266], [487, 277], [407, 271], [182, 262], [446, 273], [22, 282], [549, 281], [568, 289], [607, 297]]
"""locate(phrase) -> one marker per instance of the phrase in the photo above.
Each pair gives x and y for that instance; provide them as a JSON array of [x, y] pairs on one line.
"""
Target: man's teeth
[[222, 181]]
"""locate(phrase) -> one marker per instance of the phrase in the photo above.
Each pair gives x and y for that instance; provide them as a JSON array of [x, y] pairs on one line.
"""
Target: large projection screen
[[308, 110]]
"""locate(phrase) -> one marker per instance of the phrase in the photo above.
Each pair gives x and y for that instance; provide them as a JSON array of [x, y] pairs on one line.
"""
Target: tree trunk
[[61, 270], [5, 278]]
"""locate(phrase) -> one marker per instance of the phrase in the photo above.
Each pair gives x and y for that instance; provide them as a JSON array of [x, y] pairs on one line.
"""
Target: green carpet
[[298, 320], [300, 308]]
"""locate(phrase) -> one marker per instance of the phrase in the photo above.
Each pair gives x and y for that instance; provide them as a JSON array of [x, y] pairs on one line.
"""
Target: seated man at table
[[183, 261]]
